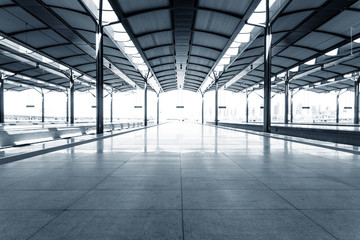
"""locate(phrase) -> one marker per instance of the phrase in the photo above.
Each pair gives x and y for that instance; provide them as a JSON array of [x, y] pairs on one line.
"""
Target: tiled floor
[[183, 181]]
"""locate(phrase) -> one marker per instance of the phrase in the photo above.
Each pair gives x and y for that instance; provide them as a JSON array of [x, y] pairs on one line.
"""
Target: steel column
[[291, 107], [267, 71], [202, 108], [145, 104], [356, 103], [99, 74], [216, 101], [247, 106], [42, 106], [286, 116], [157, 110], [67, 106], [337, 107], [2, 112], [72, 90], [111, 107]]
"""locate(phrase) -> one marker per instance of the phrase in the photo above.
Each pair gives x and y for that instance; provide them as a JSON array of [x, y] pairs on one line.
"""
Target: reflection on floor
[[183, 181]]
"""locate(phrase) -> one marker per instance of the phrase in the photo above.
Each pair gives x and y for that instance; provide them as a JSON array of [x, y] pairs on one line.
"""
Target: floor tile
[[233, 199], [322, 199], [304, 183], [221, 184], [33, 200], [130, 199], [140, 183], [23, 224], [45, 183], [114, 224], [251, 224], [343, 224]]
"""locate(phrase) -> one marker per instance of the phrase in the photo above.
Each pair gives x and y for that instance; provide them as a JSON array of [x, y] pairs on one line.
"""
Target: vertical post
[[286, 116], [247, 105], [202, 108], [356, 103], [67, 106], [72, 90], [291, 107], [145, 104], [267, 71], [42, 106], [337, 107], [111, 107], [216, 101], [2, 112], [99, 74], [157, 110]]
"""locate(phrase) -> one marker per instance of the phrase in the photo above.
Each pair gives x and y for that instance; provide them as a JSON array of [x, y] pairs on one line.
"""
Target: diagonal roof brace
[[276, 9], [240, 26], [117, 9], [325, 66], [33, 59], [92, 10], [24, 85], [31, 79]]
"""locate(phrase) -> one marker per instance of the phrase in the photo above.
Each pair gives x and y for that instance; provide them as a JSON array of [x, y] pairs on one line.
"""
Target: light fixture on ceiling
[[332, 52], [131, 50], [121, 37], [242, 38], [349, 75], [294, 69], [281, 75], [311, 62]]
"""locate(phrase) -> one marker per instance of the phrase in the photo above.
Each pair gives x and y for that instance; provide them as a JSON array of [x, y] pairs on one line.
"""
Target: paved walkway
[[183, 181]]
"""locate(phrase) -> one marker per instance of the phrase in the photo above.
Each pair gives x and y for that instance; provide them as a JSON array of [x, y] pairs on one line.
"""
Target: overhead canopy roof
[[304, 31], [182, 41], [63, 31]]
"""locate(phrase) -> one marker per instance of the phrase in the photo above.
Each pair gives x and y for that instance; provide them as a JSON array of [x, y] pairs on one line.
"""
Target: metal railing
[[17, 137]]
